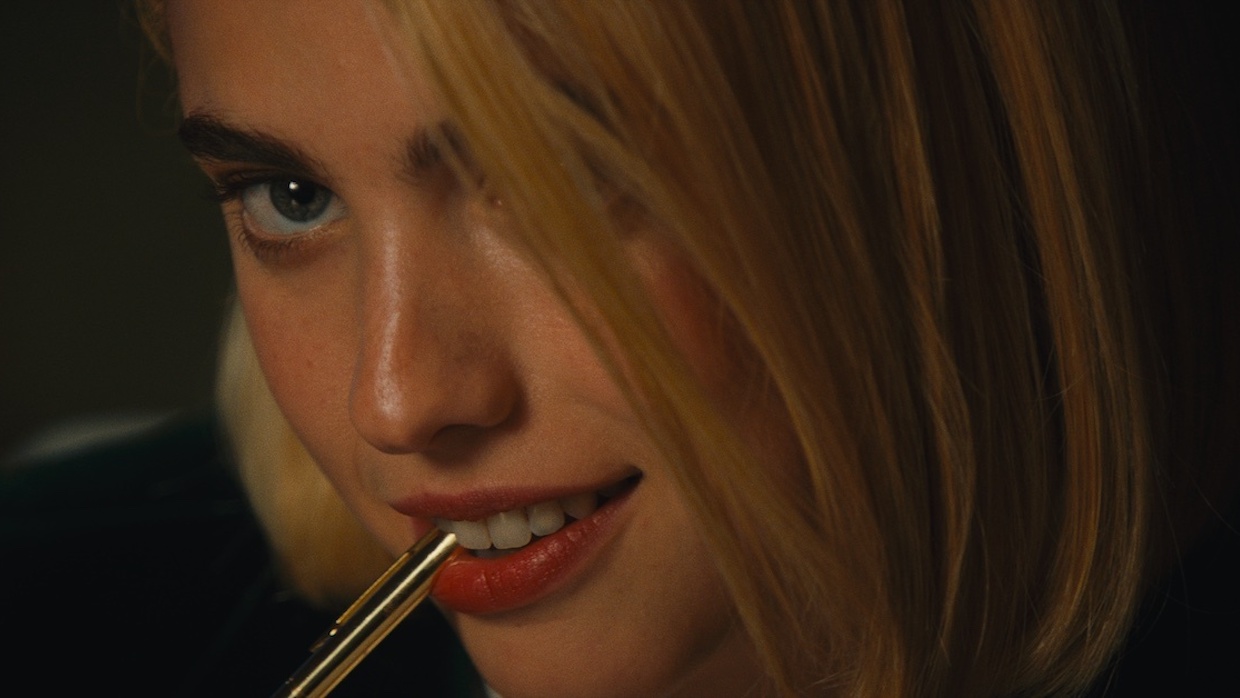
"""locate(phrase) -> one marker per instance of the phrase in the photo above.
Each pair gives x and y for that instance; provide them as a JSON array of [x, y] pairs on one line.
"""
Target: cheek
[[699, 325], [302, 336], [727, 365]]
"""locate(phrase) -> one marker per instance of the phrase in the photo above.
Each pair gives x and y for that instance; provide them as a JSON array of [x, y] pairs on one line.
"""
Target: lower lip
[[472, 585]]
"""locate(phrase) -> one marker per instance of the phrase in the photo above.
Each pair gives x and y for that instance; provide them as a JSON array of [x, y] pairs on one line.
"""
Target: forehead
[[302, 67]]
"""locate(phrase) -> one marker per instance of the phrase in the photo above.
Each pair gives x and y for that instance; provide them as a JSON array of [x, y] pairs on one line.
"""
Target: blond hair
[[916, 222]]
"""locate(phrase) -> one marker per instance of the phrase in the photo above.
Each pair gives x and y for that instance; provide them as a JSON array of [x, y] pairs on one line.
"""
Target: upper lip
[[475, 505]]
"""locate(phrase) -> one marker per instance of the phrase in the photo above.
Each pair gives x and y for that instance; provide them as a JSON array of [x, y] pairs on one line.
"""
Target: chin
[[554, 656]]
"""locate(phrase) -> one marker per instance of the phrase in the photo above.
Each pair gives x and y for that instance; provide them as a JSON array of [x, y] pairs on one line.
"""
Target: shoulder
[[138, 563]]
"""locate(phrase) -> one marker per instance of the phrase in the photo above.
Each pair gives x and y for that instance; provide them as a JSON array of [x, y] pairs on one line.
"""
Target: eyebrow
[[210, 138], [431, 149]]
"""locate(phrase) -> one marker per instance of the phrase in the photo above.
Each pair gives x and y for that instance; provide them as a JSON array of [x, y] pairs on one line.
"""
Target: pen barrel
[[371, 617]]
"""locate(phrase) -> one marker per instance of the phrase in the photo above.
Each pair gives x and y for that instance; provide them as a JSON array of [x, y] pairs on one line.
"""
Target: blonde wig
[[918, 223]]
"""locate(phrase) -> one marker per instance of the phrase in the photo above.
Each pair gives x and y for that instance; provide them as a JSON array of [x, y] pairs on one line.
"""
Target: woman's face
[[432, 372]]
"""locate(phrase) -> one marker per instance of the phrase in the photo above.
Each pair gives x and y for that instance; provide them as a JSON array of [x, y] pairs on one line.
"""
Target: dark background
[[113, 264]]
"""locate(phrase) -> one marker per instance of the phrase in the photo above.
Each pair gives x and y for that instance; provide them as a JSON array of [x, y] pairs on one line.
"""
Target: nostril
[[456, 440]]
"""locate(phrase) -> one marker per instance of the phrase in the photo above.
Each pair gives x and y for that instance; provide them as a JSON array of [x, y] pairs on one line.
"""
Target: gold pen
[[369, 619]]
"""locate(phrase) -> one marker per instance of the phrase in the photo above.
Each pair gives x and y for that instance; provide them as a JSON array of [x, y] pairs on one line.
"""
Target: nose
[[432, 365]]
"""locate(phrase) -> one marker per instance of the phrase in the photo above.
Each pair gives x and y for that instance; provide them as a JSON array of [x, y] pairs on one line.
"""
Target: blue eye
[[286, 206]]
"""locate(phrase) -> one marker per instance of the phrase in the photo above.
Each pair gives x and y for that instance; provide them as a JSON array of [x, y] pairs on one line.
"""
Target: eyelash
[[231, 188], [228, 190]]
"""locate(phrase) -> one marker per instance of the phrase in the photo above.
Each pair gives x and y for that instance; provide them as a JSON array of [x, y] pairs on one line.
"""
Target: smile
[[515, 553], [506, 532]]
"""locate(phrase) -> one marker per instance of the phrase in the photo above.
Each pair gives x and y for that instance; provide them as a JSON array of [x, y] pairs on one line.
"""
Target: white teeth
[[513, 529], [579, 506], [472, 534], [545, 518], [508, 529]]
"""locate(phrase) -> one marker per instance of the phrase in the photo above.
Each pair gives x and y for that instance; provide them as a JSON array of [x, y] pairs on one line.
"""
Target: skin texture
[[414, 350]]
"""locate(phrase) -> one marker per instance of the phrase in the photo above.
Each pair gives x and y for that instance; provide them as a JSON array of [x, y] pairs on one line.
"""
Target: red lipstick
[[478, 586]]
